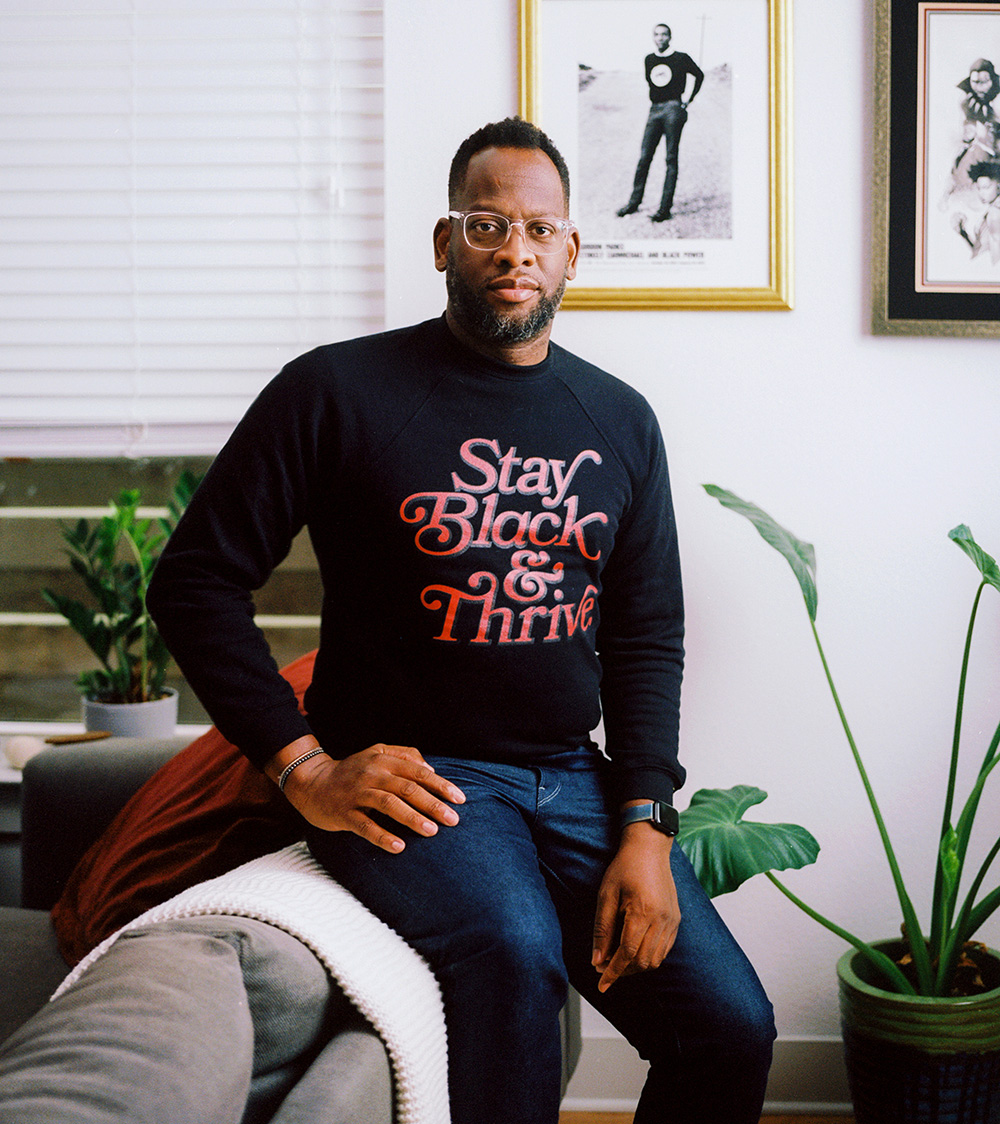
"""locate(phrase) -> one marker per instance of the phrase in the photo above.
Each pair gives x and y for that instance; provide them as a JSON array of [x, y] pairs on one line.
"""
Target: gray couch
[[69, 796]]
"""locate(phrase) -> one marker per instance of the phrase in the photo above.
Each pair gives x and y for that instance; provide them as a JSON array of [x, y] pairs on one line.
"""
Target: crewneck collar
[[520, 372]]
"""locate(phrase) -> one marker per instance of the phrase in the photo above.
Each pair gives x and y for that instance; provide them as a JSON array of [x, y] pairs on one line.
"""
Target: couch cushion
[[349, 1083], [32, 966], [203, 813], [81, 787]]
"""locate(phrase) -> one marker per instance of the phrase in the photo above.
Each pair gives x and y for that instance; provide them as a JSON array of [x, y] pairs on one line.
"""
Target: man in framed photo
[[667, 73], [978, 222]]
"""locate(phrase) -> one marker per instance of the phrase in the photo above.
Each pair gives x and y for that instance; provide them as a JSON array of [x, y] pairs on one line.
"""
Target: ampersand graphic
[[524, 584]]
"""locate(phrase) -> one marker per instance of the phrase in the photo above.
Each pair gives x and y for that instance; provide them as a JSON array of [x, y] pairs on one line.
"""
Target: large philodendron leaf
[[800, 555], [725, 850], [986, 565]]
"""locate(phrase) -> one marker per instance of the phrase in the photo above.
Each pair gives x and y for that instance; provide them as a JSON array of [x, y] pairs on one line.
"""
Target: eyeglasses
[[484, 230]]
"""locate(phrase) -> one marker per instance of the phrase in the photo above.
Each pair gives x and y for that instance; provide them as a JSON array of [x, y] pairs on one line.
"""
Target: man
[[667, 74], [980, 127], [978, 223], [981, 87], [492, 522]]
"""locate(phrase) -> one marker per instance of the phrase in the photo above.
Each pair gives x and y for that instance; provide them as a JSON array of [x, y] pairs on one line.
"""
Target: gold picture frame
[[691, 264], [929, 277]]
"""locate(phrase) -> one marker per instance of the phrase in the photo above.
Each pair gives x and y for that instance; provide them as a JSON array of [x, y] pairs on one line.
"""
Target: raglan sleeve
[[641, 633], [239, 525]]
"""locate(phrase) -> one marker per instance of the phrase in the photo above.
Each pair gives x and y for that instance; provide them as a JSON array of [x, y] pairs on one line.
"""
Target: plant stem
[[956, 933], [879, 959], [962, 930], [943, 911], [959, 707], [982, 912], [968, 816], [144, 619], [912, 930]]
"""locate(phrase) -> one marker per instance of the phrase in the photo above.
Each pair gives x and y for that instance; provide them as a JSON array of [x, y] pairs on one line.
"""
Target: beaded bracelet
[[287, 771]]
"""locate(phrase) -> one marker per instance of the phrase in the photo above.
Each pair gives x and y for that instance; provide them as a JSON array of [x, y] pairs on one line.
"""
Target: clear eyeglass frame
[[541, 235]]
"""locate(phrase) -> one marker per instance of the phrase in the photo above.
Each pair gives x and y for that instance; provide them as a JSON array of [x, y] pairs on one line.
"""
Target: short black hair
[[988, 168], [512, 132]]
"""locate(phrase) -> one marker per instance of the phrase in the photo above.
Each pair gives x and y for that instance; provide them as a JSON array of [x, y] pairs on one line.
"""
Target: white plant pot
[[157, 719]]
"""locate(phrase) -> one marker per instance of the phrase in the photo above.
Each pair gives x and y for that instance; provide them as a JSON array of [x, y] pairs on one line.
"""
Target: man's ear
[[573, 248], [442, 236]]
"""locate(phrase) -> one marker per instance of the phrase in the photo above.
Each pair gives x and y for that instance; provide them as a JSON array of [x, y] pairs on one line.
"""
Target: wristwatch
[[662, 816]]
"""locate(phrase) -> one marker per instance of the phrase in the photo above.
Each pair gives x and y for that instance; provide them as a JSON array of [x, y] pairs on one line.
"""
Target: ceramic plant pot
[[156, 719], [917, 1060]]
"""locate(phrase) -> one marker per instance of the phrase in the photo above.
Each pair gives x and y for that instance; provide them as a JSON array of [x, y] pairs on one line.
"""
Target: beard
[[483, 321]]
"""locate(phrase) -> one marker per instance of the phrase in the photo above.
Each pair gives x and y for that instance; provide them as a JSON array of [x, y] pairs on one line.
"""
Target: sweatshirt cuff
[[645, 784], [261, 738]]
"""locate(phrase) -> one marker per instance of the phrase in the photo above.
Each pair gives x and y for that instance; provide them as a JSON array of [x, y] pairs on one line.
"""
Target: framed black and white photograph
[[677, 139], [937, 168]]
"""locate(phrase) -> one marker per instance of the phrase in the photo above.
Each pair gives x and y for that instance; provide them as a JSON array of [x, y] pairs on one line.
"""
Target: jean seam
[[549, 795]]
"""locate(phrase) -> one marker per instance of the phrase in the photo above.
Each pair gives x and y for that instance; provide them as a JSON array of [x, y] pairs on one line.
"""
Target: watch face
[[661, 815], [667, 819]]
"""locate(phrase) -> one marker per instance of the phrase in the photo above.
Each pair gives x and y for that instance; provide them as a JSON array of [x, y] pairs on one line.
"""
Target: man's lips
[[513, 289]]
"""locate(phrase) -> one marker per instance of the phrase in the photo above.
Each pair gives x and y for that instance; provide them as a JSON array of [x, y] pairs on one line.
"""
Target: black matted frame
[[902, 304]]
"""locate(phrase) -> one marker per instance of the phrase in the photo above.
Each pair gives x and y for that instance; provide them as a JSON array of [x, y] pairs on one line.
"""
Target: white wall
[[871, 448]]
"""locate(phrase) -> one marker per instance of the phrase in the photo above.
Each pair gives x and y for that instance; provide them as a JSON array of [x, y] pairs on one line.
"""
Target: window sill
[[10, 775]]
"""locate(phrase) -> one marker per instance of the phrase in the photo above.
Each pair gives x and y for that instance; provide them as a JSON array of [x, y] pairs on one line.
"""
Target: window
[[190, 195]]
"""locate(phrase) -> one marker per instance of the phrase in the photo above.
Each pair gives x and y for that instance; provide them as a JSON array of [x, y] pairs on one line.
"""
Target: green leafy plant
[[114, 558], [726, 850]]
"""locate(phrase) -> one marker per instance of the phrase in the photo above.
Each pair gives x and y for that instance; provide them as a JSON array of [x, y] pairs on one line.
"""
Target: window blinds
[[190, 196]]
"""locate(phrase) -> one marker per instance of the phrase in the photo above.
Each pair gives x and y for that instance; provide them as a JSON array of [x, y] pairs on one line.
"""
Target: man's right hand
[[391, 779]]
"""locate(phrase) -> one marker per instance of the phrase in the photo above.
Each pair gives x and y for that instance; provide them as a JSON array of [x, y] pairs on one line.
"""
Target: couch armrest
[[69, 795]]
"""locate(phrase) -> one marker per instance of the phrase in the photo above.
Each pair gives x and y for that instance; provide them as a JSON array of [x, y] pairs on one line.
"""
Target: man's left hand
[[637, 910]]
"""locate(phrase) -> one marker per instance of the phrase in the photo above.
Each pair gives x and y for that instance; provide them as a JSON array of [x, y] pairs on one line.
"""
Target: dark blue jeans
[[665, 120], [502, 907]]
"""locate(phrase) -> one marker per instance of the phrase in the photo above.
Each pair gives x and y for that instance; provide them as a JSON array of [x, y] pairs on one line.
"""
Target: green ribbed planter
[[916, 1060]]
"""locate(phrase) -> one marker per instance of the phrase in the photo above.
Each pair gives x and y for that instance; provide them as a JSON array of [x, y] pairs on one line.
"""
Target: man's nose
[[516, 247]]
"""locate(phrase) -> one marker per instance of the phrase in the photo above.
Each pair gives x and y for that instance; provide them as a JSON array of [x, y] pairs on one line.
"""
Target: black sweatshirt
[[497, 550], [669, 81]]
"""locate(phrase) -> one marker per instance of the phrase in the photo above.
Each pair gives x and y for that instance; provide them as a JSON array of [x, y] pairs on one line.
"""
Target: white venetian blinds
[[190, 195]]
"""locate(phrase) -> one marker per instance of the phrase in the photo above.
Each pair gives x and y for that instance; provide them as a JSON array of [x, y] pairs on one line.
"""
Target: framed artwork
[[678, 143], [936, 220]]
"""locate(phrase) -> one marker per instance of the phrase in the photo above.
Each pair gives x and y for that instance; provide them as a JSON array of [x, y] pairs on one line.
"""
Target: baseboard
[[807, 1077]]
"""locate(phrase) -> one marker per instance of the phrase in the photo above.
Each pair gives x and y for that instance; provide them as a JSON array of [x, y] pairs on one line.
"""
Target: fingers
[[393, 781], [638, 915], [605, 926], [368, 829], [402, 786], [412, 806], [643, 945], [425, 774], [631, 933]]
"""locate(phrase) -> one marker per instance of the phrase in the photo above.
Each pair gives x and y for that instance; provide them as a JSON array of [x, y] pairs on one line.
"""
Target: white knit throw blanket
[[386, 980]]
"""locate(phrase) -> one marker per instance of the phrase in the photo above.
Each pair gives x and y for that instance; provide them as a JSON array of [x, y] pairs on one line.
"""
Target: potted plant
[[921, 1014], [114, 559]]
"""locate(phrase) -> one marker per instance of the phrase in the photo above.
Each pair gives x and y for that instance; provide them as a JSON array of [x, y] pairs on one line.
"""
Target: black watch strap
[[662, 816]]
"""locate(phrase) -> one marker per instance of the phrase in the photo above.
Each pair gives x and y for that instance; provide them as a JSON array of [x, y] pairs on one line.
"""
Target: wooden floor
[[626, 1118]]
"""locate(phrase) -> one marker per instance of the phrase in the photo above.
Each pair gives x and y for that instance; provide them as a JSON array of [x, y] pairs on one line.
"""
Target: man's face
[[980, 82], [661, 37], [988, 188], [508, 296]]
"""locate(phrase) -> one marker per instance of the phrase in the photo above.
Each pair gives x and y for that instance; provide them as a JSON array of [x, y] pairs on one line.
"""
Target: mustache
[[471, 307]]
